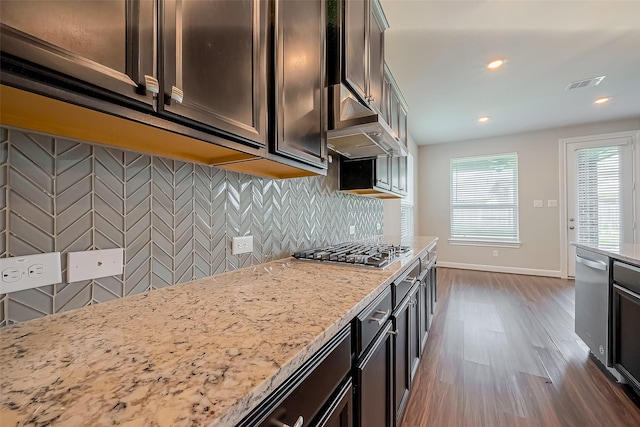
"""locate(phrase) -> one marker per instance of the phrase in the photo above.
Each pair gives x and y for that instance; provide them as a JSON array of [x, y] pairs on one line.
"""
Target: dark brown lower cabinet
[[306, 394], [626, 317], [433, 291], [424, 308], [340, 411], [405, 320], [374, 376]]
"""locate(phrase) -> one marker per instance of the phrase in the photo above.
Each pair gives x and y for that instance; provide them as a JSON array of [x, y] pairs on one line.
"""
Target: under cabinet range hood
[[356, 131]]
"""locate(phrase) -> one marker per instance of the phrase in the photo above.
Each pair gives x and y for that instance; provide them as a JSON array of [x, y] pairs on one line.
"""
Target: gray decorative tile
[[175, 220]]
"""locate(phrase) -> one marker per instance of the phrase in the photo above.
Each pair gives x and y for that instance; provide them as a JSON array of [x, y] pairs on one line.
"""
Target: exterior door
[[599, 204]]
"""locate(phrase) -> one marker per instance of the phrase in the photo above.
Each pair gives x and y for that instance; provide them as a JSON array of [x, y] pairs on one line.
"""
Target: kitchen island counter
[[203, 353], [627, 252]]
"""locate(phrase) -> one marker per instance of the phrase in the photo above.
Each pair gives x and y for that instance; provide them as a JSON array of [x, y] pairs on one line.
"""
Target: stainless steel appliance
[[592, 302], [377, 255]]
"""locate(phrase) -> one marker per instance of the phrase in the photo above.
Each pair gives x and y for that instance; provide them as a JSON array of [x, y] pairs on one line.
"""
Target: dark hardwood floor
[[502, 352]]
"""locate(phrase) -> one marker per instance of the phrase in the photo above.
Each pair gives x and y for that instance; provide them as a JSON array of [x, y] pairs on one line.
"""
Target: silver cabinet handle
[[381, 319], [571, 227], [598, 265], [627, 292], [177, 94], [411, 279], [390, 332], [151, 84], [298, 423]]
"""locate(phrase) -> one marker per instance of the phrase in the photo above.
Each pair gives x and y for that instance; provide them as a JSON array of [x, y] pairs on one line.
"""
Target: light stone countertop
[[203, 353], [628, 252]]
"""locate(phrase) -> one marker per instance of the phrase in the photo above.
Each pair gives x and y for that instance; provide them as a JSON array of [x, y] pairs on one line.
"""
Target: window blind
[[484, 198], [599, 203], [407, 227]]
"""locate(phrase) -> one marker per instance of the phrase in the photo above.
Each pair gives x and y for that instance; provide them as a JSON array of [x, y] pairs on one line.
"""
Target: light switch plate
[[241, 245], [94, 264], [552, 203], [29, 271]]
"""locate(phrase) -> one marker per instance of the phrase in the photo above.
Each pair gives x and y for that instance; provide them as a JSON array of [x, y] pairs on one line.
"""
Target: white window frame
[[485, 242]]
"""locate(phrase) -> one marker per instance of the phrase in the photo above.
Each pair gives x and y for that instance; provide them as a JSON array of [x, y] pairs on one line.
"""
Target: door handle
[[598, 265], [571, 227]]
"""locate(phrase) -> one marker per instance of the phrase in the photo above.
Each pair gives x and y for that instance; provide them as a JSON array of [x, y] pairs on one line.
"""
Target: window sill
[[493, 244]]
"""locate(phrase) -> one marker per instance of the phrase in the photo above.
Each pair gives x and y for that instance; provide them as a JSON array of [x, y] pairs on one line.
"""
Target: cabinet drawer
[[305, 393], [403, 284], [371, 320], [627, 275]]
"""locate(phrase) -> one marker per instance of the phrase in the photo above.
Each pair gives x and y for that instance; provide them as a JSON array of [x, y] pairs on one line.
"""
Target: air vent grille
[[593, 81]]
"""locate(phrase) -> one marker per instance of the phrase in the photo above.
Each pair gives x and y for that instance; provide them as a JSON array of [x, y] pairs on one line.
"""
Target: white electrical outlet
[[29, 271], [352, 229], [552, 203], [94, 264], [378, 226], [241, 245], [495, 252]]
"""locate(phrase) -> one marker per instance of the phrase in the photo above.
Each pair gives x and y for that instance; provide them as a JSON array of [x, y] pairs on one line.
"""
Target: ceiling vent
[[593, 81]]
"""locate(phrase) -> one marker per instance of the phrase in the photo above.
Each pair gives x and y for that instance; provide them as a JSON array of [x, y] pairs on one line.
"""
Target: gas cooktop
[[377, 255]]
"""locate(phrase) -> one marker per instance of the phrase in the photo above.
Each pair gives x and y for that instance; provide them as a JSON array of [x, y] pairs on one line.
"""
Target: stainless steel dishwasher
[[593, 302]]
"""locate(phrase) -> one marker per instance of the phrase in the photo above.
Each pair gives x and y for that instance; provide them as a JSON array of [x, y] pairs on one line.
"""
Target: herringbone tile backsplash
[[174, 219]]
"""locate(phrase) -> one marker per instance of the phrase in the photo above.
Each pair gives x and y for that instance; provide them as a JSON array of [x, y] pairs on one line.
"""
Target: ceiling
[[438, 51]]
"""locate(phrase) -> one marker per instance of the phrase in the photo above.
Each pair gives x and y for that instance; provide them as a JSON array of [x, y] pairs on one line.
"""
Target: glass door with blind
[[599, 195]]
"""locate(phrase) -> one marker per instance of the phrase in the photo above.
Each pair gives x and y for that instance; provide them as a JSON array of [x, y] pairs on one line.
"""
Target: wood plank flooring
[[502, 352]]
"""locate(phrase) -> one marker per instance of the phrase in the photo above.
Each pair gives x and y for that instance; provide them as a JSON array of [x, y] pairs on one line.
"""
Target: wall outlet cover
[[552, 203], [241, 245], [29, 271], [538, 204], [352, 229], [94, 264]]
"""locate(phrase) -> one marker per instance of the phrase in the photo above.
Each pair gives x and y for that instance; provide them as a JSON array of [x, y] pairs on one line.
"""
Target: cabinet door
[[423, 312], [356, 58], [109, 44], [402, 124], [383, 172], [433, 291], [376, 59], [414, 334], [340, 411], [375, 383], [402, 320], [215, 70], [402, 175], [300, 80], [386, 97]]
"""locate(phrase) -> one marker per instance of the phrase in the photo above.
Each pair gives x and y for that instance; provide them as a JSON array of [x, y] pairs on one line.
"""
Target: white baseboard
[[500, 269]]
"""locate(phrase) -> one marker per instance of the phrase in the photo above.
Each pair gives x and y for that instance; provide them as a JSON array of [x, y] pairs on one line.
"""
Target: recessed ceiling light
[[602, 100], [483, 119], [496, 63]]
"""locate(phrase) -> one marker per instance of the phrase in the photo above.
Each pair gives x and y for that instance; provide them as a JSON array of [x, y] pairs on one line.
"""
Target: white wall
[[391, 213], [539, 178]]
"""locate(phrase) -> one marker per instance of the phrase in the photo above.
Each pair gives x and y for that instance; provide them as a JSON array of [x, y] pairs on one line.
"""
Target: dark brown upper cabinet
[[299, 107], [364, 26], [215, 64], [108, 45]]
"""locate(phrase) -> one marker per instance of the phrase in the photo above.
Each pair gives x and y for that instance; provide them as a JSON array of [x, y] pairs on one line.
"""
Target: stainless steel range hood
[[357, 131]]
